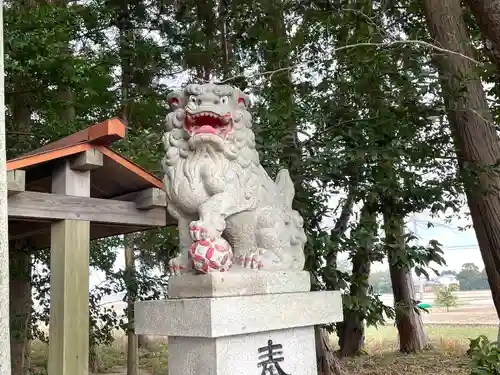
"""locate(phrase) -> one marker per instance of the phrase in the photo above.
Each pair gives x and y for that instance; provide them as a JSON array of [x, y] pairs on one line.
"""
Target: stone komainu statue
[[216, 186]]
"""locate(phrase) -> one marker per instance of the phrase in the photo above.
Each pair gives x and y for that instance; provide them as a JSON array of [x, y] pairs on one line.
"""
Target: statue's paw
[[252, 261], [179, 265], [200, 230]]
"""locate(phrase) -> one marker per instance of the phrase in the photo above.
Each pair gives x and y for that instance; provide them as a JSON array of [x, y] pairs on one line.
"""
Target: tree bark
[[223, 11], [352, 329], [487, 15], [339, 229], [476, 142], [126, 49], [21, 303], [328, 363], [133, 343], [207, 17], [412, 337], [20, 308], [67, 111]]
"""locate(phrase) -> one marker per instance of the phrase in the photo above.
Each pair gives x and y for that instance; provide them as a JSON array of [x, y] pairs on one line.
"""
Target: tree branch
[[388, 44]]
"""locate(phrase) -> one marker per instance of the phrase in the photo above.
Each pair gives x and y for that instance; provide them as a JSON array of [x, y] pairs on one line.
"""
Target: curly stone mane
[[182, 155]]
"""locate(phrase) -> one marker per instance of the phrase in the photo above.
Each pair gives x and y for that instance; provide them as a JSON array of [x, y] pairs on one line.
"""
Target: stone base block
[[225, 316], [244, 354], [244, 335], [244, 283]]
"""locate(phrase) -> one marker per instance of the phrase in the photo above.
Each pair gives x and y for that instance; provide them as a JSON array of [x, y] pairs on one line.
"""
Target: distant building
[[442, 281]]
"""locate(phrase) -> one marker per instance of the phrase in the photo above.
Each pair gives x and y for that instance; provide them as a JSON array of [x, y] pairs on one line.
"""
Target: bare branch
[[388, 44]]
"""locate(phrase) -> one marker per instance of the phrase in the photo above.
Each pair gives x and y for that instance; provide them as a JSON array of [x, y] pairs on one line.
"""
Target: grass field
[[446, 357]]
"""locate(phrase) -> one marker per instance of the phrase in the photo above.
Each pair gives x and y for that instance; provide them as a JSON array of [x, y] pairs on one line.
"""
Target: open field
[[473, 308]]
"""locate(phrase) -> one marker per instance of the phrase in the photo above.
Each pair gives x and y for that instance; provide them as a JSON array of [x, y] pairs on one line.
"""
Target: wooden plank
[[88, 160], [16, 181], [151, 198], [69, 281], [34, 205]]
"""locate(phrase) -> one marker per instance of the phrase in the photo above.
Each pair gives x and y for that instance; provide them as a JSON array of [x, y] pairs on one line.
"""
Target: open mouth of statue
[[208, 123]]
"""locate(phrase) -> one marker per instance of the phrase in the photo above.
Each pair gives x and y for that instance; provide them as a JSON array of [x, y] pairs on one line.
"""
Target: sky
[[459, 246]]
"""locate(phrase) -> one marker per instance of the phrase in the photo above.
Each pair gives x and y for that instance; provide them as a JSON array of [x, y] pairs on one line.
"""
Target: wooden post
[[69, 288]]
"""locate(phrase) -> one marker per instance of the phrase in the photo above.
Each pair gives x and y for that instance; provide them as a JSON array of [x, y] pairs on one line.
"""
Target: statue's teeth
[[206, 114]]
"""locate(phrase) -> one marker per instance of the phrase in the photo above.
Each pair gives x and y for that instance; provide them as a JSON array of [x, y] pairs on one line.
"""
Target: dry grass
[[448, 355], [428, 363], [446, 358]]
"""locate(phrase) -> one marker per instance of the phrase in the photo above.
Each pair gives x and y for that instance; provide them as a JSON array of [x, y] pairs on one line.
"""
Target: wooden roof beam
[[34, 205], [16, 182], [88, 160], [103, 133], [145, 199]]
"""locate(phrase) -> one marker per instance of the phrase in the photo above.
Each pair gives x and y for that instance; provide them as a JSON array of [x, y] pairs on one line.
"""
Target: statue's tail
[[294, 222], [285, 187]]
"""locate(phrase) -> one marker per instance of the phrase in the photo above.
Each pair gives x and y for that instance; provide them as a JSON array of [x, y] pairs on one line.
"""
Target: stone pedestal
[[226, 324]]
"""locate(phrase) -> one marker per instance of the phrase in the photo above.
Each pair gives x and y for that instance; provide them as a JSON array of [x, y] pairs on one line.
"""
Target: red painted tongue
[[205, 129]]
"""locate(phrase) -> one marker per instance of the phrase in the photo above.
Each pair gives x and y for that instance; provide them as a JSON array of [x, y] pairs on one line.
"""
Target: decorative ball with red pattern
[[212, 255]]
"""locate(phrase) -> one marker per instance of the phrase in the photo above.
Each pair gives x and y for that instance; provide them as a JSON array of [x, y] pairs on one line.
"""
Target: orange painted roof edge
[[131, 166], [103, 133], [26, 161]]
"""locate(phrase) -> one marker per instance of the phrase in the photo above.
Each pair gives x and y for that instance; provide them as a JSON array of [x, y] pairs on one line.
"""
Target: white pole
[[4, 240], [420, 278]]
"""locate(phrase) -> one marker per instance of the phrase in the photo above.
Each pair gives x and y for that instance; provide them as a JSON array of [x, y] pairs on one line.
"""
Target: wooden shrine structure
[[61, 196]]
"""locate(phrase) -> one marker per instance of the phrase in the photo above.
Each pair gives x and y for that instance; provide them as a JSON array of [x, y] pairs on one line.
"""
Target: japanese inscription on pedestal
[[270, 357]]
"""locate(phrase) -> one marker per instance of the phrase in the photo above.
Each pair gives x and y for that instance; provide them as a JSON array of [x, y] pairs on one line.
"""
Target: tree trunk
[[328, 362], [487, 15], [21, 303], [223, 5], [352, 329], [412, 337], [67, 110], [206, 14], [133, 344], [20, 308], [476, 142], [351, 335], [126, 38]]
